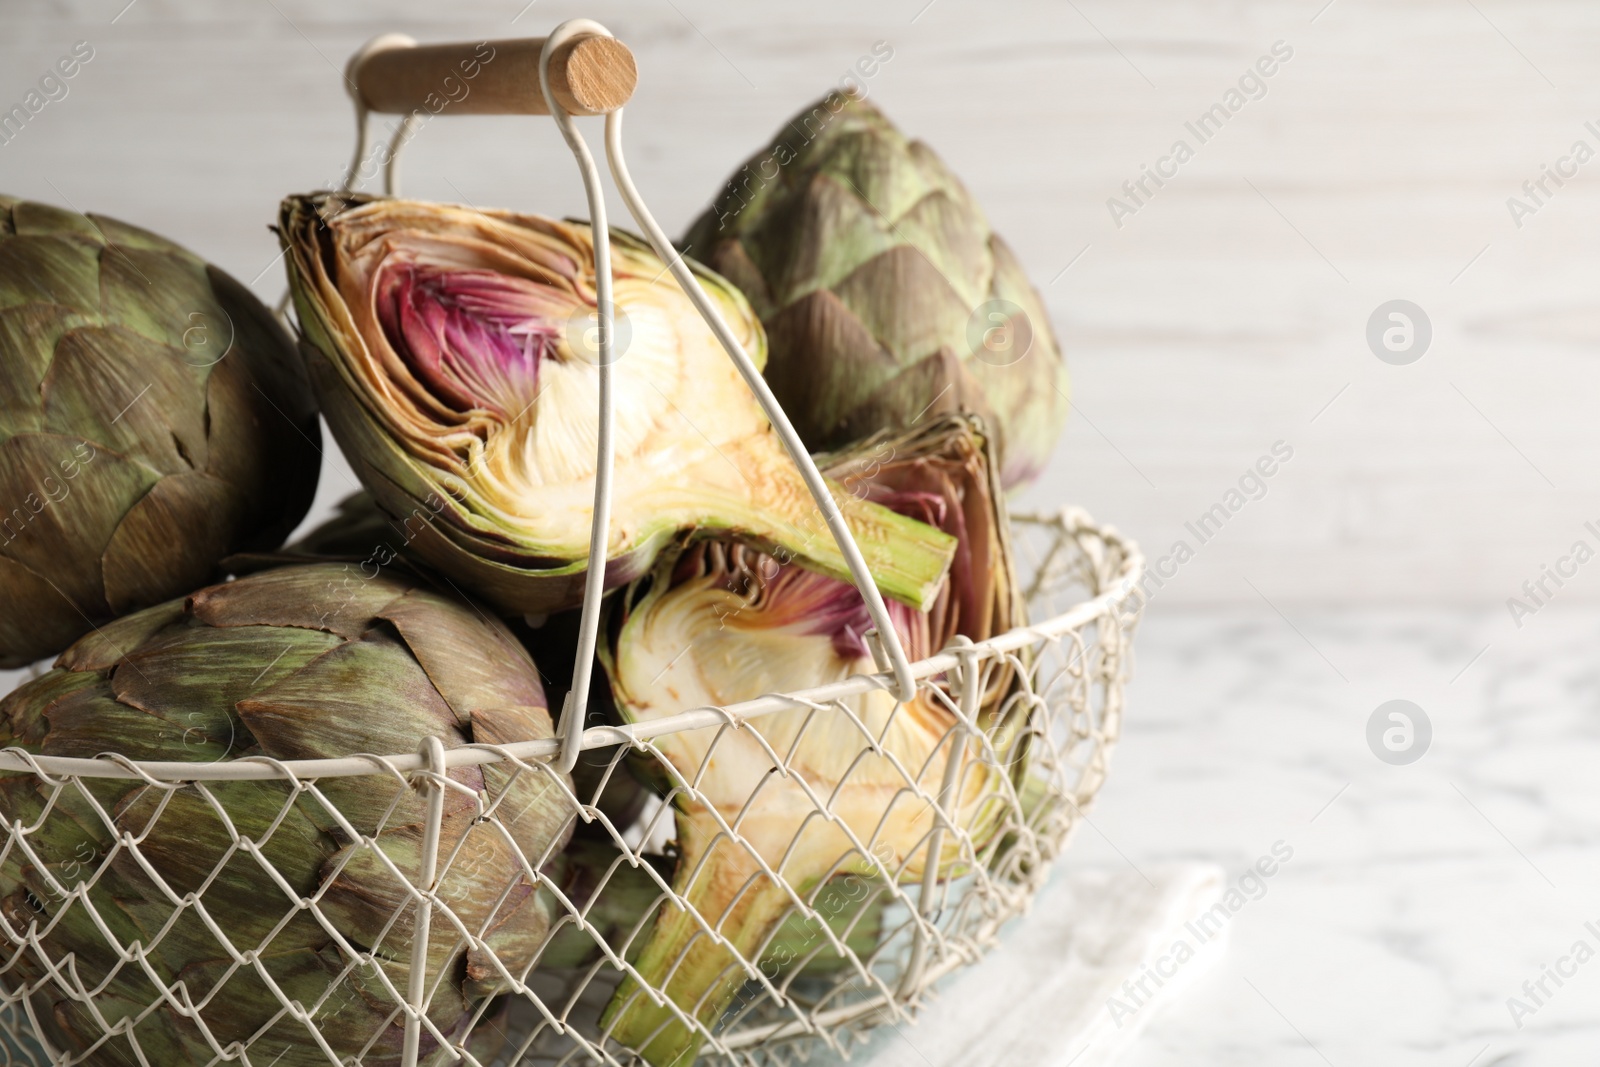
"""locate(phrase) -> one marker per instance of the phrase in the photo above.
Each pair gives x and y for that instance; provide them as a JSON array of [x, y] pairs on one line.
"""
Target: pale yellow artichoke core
[[707, 642]]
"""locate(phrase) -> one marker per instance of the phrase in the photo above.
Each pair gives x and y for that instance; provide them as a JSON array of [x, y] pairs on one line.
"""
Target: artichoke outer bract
[[884, 292], [153, 419], [360, 533], [302, 662], [451, 351], [718, 623]]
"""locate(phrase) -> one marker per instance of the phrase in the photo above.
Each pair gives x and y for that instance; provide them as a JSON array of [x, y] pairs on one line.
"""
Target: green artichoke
[[884, 293], [453, 355], [362, 534], [298, 663], [153, 419], [718, 623]]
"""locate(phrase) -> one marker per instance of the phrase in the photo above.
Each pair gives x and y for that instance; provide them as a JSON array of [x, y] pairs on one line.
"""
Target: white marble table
[[1419, 898]]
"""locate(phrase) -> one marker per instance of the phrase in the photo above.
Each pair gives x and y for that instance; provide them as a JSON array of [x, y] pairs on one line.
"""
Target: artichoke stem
[[908, 559], [698, 975]]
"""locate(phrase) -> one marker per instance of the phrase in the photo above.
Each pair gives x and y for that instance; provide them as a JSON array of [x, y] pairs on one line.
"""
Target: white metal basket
[[864, 947], [1071, 668]]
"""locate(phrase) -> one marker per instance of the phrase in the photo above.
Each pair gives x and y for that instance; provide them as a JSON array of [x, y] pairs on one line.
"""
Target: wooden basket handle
[[590, 75]]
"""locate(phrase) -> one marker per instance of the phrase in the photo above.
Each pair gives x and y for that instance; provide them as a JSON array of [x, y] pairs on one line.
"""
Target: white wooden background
[[1221, 318]]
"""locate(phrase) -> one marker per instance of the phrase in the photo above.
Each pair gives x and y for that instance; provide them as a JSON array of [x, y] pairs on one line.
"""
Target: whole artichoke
[[214, 905], [716, 624], [153, 419], [361, 533], [884, 293], [452, 351]]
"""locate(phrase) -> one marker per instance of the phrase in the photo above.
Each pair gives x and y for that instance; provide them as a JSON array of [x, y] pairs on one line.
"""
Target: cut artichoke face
[[456, 352], [720, 623]]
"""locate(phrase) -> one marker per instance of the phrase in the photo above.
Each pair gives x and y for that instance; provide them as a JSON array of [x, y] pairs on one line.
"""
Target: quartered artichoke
[[884, 293], [297, 663], [153, 419], [718, 623], [453, 352]]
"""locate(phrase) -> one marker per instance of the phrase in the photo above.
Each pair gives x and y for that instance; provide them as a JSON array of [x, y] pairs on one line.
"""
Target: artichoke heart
[[456, 355], [312, 886], [719, 623]]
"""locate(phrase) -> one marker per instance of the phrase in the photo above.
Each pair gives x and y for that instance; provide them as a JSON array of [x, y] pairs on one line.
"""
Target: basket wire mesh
[[861, 950]]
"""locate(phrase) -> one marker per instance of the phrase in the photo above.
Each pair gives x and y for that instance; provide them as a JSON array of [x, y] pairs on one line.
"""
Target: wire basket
[[211, 961], [837, 983]]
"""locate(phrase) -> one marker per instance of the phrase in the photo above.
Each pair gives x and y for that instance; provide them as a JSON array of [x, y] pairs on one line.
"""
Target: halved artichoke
[[215, 901], [717, 623], [452, 350], [153, 419]]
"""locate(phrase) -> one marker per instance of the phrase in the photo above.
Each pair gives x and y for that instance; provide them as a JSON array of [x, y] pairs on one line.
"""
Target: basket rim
[[1071, 521]]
